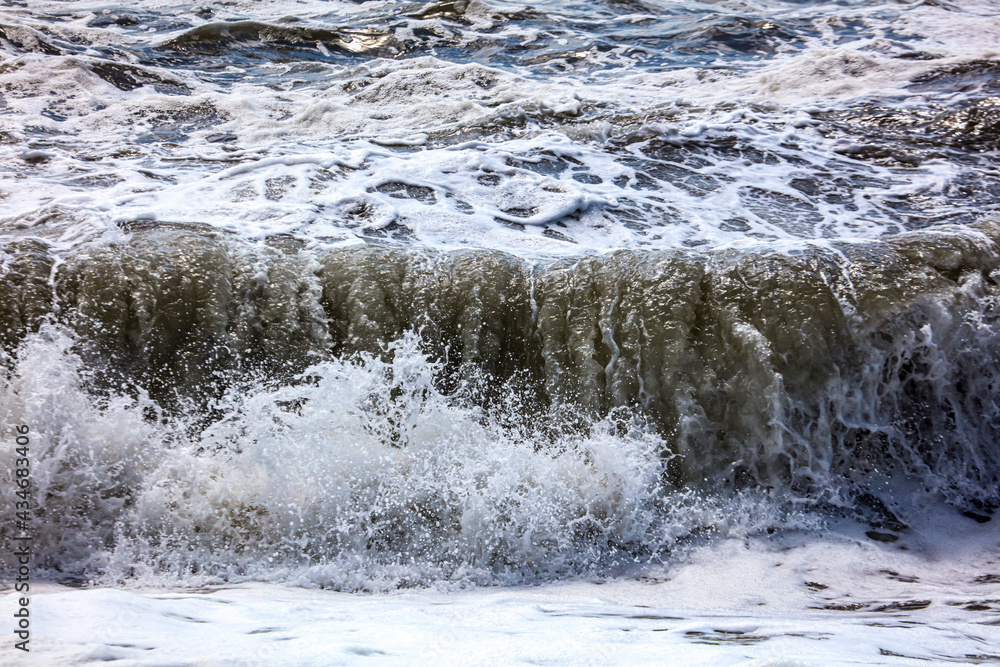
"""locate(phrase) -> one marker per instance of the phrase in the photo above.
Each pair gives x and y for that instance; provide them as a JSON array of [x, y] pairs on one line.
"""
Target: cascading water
[[412, 416], [695, 299]]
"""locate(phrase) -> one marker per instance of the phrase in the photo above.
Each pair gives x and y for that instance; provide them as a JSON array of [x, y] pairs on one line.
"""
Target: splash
[[474, 419]]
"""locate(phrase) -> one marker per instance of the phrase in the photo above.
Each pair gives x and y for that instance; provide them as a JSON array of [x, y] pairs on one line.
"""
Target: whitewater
[[466, 332]]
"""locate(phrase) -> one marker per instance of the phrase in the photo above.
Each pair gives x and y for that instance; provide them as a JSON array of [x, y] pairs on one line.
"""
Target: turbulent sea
[[475, 332]]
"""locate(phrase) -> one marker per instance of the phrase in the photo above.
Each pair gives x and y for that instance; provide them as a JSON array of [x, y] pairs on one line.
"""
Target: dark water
[[382, 294]]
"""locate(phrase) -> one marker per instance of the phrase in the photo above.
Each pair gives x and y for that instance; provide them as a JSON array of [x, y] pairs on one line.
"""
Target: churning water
[[379, 296]]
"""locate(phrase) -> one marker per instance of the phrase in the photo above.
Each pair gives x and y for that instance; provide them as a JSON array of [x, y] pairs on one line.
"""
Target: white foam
[[731, 602], [90, 168]]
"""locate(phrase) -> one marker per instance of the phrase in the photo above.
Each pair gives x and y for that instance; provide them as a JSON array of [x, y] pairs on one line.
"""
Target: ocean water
[[617, 332]]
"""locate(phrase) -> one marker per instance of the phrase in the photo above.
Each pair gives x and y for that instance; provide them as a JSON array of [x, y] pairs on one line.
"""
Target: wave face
[[387, 294], [371, 417]]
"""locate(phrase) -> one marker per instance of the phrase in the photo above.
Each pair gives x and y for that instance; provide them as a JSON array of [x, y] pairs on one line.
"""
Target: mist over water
[[386, 294]]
